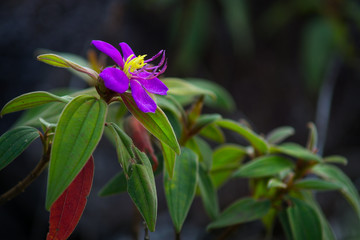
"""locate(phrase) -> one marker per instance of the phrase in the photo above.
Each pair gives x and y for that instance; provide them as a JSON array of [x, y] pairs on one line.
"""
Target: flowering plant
[[166, 132]]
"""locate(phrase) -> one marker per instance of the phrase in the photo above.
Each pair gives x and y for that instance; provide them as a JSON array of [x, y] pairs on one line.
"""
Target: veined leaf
[[279, 134], [58, 61], [316, 184], [264, 166], [169, 159], [213, 132], [14, 142], [180, 189], [300, 221], [295, 150], [156, 123], [205, 120], [334, 174], [181, 87], [243, 210], [30, 100], [116, 185], [142, 190], [79, 130], [256, 141], [66, 211], [208, 193]]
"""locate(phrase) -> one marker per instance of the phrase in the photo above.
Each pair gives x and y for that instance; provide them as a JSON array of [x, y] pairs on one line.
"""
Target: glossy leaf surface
[[297, 151]]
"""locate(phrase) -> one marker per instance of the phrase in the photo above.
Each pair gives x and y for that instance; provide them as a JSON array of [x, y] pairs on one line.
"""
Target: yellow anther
[[132, 65]]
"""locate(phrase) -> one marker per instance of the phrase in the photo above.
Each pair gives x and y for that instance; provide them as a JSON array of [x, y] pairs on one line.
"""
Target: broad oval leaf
[[58, 61], [264, 166], [256, 141], [334, 174], [14, 142], [297, 151], [142, 190], [316, 184], [79, 130], [242, 211], [279, 134], [300, 221], [30, 100], [213, 132], [156, 123], [169, 159], [116, 185], [181, 87], [208, 193], [180, 189], [66, 211]]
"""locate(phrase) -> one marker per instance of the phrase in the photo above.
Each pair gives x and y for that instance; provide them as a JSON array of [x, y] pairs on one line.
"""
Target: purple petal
[[115, 79], [109, 50], [142, 99], [154, 85], [126, 50]]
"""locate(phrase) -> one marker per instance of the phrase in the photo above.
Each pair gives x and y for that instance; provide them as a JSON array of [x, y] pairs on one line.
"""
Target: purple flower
[[135, 71]]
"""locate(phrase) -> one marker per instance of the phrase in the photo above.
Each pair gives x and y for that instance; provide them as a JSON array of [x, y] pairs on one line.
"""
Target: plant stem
[[177, 236], [22, 185], [146, 237]]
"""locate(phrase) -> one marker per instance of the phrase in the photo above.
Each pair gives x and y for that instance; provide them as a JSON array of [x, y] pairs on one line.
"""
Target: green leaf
[[335, 175], [167, 102], [79, 130], [30, 100], [202, 150], [335, 159], [316, 184], [213, 132], [226, 159], [58, 61], [116, 185], [14, 142], [142, 190], [264, 166], [205, 120], [313, 137], [295, 150], [242, 211], [180, 189], [169, 159], [181, 87], [279, 134], [301, 221], [156, 123], [223, 100], [256, 141], [208, 194], [276, 183]]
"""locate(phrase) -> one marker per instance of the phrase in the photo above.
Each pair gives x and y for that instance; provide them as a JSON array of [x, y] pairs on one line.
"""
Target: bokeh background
[[285, 62]]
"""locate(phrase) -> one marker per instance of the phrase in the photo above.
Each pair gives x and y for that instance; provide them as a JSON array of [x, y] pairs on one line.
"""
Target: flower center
[[134, 64]]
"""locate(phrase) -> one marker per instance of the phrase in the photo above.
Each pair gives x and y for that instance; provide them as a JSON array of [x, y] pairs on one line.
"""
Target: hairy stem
[[22, 185]]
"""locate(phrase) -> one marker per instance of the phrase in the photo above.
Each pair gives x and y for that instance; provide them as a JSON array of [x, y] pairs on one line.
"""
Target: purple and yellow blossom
[[134, 71]]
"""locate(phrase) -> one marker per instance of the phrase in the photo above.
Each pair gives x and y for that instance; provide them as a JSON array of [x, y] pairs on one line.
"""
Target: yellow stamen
[[134, 64]]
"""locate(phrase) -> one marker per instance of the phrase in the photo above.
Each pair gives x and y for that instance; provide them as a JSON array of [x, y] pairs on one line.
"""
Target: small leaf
[[66, 211], [313, 137], [279, 134], [276, 183], [226, 159], [30, 100], [256, 141], [295, 150], [336, 159], [79, 130], [116, 185], [142, 190], [169, 159], [301, 221], [316, 184], [205, 120], [58, 61], [334, 174], [213, 132], [14, 142], [181, 87], [264, 166], [208, 194], [180, 189], [223, 100], [242, 211], [156, 123]]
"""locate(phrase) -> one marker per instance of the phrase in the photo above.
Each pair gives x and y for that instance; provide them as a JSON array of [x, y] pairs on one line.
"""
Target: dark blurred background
[[284, 62]]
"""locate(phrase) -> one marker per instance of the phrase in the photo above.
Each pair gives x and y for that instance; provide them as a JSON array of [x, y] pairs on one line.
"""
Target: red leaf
[[66, 211], [141, 138]]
